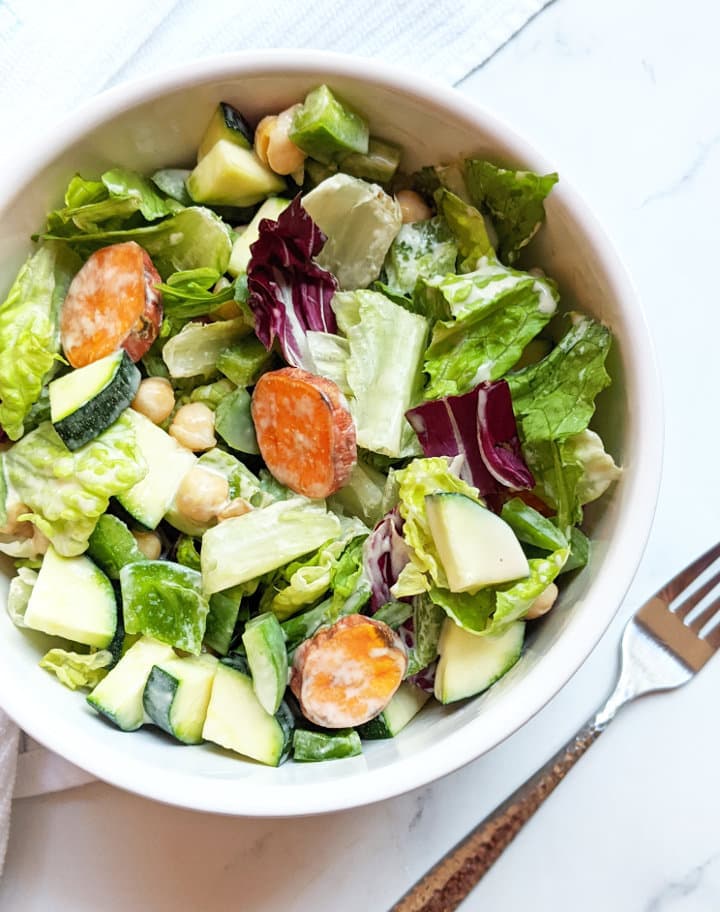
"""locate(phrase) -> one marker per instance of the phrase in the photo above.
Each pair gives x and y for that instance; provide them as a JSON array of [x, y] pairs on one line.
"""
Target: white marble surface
[[623, 97]]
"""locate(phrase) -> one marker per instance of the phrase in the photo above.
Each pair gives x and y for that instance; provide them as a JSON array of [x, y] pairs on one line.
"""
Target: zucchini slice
[[236, 719], [73, 599], [119, 695], [311, 746], [240, 256], [226, 123], [404, 706], [177, 694], [231, 176], [267, 657], [168, 462], [469, 664], [86, 401]]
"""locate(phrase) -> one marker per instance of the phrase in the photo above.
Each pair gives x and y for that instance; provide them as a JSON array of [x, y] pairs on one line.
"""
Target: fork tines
[[668, 622]]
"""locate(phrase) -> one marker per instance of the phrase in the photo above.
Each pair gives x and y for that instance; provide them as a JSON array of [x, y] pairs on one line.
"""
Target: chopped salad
[[293, 442]]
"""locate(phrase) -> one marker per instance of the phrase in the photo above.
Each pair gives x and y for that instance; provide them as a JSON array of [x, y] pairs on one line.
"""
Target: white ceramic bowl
[[158, 122]]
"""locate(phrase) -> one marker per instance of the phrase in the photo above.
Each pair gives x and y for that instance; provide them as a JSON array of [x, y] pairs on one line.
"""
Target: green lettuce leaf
[[420, 250], [190, 293], [491, 611], [29, 334], [531, 527], [428, 619], [116, 197], [467, 227], [497, 311], [195, 349], [514, 200], [67, 492], [557, 477], [195, 237], [74, 669], [384, 367], [555, 398], [21, 587], [420, 478], [598, 467]]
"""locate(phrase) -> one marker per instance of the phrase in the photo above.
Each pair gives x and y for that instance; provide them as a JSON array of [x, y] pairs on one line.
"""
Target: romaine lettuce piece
[[67, 492], [467, 227], [195, 237], [555, 398], [233, 422], [330, 355], [362, 495], [117, 196], [532, 527], [420, 250], [29, 334], [598, 467], [421, 634], [420, 478], [557, 477], [491, 611], [497, 311], [21, 587], [244, 547], [195, 349], [360, 221], [383, 370], [514, 200], [74, 669]]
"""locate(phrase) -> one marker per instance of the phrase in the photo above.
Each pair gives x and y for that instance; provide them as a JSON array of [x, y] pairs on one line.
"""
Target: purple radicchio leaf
[[479, 425], [385, 553], [289, 293]]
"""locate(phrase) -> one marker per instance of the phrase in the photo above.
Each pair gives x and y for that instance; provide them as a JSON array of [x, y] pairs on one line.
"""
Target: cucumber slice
[[222, 619], [240, 256], [312, 746], [326, 128], [476, 547], [119, 695], [112, 545], [231, 176], [73, 598], [168, 463], [236, 719], [267, 657], [86, 401], [379, 164], [469, 664], [226, 123], [177, 694], [404, 706], [165, 601]]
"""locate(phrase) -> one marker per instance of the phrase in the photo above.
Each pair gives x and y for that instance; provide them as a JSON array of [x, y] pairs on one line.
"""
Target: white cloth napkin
[[53, 57]]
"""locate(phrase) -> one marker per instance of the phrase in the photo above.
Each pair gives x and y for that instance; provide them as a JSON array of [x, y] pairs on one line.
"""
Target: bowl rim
[[563, 658]]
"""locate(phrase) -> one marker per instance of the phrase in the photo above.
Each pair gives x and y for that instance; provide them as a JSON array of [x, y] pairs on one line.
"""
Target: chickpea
[[194, 426], [201, 495], [262, 137], [413, 206], [283, 155], [236, 507], [543, 603], [154, 399], [149, 544]]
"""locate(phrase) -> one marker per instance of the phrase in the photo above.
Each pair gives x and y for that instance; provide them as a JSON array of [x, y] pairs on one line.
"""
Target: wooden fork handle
[[445, 886]]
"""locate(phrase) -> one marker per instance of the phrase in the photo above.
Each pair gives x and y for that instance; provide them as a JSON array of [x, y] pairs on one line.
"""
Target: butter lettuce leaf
[[420, 478], [29, 333], [513, 199], [468, 227], [491, 611], [496, 311], [384, 367], [555, 398], [74, 669], [420, 250], [67, 492], [21, 587]]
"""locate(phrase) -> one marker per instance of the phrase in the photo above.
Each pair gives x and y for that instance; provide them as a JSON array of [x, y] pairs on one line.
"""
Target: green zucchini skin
[[102, 407], [314, 746]]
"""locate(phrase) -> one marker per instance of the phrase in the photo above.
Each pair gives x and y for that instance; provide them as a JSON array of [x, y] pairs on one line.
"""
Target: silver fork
[[663, 646]]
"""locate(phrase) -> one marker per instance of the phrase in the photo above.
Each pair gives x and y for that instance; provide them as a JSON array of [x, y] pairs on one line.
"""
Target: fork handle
[[445, 885]]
